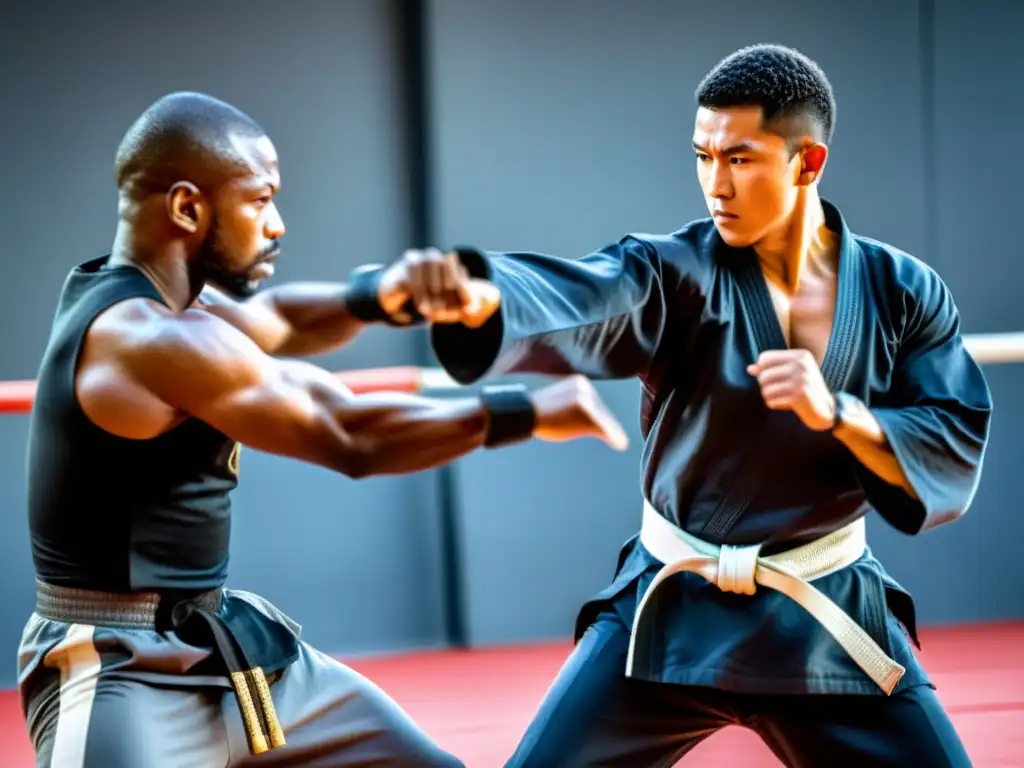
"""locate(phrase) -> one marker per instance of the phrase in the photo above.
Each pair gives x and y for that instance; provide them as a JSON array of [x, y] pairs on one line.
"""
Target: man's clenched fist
[[790, 380], [440, 288]]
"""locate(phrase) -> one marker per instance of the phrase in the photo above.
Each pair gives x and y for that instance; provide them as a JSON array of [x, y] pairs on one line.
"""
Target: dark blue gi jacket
[[687, 314]]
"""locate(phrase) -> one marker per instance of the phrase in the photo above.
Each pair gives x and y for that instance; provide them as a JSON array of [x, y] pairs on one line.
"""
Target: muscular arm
[[198, 365], [603, 315], [295, 319]]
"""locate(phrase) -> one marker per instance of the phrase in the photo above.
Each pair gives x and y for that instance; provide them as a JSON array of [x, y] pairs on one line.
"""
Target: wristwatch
[[841, 408]]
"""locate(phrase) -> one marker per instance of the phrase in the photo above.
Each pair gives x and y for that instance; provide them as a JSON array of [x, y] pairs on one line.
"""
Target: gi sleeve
[[936, 418], [603, 315]]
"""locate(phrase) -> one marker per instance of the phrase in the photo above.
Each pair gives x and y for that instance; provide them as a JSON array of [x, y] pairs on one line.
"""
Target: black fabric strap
[[256, 708], [841, 409], [512, 417], [363, 301]]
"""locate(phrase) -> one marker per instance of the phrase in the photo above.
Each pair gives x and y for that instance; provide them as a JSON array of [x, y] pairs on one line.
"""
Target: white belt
[[741, 569]]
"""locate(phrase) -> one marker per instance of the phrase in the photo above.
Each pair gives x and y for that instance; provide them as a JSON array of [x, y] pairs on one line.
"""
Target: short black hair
[[793, 91], [184, 136]]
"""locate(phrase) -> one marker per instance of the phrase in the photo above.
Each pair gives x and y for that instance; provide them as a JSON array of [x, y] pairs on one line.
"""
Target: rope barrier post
[[412, 25]]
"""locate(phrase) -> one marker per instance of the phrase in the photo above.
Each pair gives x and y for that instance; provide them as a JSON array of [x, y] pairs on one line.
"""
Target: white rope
[[986, 348], [996, 347]]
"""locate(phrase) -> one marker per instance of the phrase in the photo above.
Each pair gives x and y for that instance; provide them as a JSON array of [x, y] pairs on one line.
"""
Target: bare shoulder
[[140, 362]]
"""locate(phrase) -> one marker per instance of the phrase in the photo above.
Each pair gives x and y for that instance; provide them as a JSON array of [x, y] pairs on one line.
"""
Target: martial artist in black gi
[[163, 359], [795, 378]]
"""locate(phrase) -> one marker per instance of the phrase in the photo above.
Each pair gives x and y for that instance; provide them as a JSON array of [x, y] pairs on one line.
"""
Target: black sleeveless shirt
[[115, 514]]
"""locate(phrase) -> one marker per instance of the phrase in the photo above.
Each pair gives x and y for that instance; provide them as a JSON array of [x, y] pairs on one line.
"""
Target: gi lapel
[[848, 321], [848, 315], [836, 365]]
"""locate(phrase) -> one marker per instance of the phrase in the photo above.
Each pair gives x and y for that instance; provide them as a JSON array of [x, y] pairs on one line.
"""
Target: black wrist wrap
[[512, 417], [363, 301]]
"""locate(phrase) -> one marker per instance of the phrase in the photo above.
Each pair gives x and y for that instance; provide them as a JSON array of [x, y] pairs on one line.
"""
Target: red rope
[[18, 396]]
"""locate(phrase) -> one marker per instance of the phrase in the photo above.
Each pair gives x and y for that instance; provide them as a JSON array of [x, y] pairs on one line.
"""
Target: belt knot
[[741, 570], [737, 569]]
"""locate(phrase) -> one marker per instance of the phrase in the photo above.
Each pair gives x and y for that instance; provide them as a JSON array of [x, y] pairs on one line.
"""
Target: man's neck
[[164, 265], [804, 245]]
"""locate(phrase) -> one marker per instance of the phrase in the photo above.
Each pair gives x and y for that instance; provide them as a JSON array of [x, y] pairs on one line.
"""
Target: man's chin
[[732, 238], [238, 286]]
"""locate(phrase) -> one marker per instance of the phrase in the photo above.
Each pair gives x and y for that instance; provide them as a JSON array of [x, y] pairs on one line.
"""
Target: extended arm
[[603, 315], [309, 318], [922, 447], [295, 319], [198, 365]]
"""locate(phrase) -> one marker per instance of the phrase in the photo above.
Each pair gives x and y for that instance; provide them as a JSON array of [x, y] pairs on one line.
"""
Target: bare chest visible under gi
[[806, 316]]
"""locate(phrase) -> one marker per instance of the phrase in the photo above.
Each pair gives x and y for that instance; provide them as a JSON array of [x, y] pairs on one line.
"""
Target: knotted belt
[[255, 704], [193, 618], [741, 569]]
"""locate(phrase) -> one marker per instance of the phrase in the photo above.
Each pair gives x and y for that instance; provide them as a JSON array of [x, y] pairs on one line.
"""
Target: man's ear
[[186, 207], [812, 163]]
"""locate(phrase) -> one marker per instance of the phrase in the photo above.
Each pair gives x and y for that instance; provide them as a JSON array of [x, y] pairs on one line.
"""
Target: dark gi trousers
[[594, 715]]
